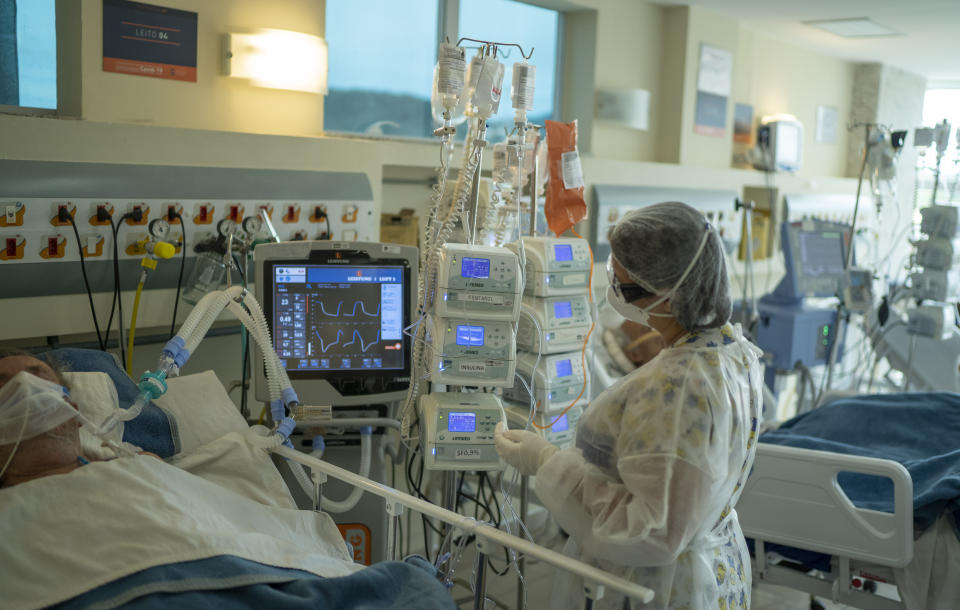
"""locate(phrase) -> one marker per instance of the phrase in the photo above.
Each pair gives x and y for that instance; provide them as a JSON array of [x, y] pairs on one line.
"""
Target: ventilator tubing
[[348, 503]]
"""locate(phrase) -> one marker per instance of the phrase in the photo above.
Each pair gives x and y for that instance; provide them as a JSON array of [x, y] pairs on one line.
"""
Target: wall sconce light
[[627, 107], [278, 59]]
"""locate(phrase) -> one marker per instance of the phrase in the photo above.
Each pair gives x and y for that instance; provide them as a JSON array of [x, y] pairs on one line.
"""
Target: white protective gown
[[660, 459]]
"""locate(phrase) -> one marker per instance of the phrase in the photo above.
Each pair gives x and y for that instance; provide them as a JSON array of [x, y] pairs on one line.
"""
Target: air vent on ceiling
[[857, 27]]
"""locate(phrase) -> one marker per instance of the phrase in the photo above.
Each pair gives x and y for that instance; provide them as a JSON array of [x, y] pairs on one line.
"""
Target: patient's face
[[51, 450]]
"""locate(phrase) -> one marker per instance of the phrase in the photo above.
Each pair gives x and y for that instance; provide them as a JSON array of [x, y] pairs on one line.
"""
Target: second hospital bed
[[858, 502]]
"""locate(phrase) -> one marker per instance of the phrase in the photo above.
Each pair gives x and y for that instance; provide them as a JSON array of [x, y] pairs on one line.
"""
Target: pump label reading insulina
[[473, 367]]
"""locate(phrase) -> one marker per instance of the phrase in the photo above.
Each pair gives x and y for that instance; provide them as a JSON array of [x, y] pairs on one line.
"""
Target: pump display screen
[[469, 335], [563, 252], [564, 368], [461, 422], [821, 253], [338, 317], [562, 309], [475, 267], [562, 425]]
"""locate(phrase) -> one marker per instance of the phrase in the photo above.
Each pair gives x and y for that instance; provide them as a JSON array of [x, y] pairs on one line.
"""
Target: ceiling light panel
[[860, 27]]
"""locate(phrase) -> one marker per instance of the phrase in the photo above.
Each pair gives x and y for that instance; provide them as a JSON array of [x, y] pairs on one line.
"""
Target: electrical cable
[[116, 283], [86, 282], [183, 261]]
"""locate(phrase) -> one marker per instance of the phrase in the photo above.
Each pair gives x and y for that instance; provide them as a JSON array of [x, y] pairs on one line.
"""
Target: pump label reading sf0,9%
[[470, 453]]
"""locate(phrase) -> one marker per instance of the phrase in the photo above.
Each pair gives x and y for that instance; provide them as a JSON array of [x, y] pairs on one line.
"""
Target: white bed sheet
[[66, 534], [930, 581]]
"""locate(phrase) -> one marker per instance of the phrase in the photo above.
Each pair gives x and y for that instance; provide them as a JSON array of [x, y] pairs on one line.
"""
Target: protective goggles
[[628, 292]]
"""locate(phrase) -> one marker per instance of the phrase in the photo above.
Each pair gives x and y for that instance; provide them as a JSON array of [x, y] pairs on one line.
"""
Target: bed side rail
[[792, 497]]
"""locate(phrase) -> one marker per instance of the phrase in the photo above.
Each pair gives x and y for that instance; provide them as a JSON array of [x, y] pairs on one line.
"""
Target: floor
[[501, 592]]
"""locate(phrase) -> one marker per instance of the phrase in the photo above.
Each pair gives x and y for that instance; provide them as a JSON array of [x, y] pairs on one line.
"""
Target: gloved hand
[[523, 450]]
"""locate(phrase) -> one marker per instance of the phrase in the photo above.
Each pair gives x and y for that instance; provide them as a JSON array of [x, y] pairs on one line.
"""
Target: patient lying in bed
[[73, 528]]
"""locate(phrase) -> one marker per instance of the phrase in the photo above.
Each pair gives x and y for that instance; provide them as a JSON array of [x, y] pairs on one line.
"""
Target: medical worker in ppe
[[661, 456]]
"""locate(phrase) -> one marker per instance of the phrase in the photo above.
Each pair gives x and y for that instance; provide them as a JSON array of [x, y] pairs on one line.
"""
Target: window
[[382, 55], [940, 104], [28, 53]]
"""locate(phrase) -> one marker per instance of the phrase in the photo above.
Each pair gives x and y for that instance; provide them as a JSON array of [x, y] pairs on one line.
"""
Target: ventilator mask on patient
[[29, 407], [621, 295]]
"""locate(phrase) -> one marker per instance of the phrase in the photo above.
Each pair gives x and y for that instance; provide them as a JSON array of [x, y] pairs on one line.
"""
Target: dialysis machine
[[337, 312], [791, 331]]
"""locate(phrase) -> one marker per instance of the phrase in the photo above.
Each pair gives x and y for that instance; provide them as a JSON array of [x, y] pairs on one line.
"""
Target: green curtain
[[9, 75]]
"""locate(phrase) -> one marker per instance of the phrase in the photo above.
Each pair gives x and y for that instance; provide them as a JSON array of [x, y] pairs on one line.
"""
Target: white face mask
[[30, 406], [642, 315]]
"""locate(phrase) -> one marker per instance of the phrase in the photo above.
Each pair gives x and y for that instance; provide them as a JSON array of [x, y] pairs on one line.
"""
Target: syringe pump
[[458, 430], [554, 265], [563, 431], [558, 381], [564, 323], [477, 282], [475, 353]]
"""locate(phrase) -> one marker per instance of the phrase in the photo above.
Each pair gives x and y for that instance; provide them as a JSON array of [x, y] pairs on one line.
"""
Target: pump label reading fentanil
[[468, 453], [490, 299]]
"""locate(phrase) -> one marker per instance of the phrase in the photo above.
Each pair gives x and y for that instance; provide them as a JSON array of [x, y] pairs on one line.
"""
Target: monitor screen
[[475, 267], [561, 425], [821, 253], [469, 335], [564, 368], [338, 317], [563, 252], [461, 422], [562, 309]]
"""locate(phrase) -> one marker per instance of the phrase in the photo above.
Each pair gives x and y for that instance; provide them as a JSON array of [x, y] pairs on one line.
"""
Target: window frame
[[68, 17], [448, 18]]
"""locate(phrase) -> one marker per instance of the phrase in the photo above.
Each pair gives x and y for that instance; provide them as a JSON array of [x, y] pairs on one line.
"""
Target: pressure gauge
[[158, 228], [226, 227], [252, 225]]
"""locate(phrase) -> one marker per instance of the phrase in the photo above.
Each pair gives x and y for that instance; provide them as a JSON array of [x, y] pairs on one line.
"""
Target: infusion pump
[[564, 323], [476, 353], [554, 265], [477, 282], [457, 430], [558, 381], [563, 431]]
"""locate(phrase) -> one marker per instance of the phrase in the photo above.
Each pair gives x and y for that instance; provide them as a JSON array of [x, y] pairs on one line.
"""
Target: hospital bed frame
[[793, 498], [487, 537]]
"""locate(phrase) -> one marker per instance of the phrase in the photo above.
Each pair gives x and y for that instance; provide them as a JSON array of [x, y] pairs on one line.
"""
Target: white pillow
[[96, 397], [201, 408]]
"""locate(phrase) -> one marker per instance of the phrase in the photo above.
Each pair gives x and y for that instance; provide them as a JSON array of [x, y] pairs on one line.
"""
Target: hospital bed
[[196, 427], [858, 502]]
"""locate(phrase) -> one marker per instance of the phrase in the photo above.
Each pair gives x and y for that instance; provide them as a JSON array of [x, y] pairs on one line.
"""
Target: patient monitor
[[337, 312]]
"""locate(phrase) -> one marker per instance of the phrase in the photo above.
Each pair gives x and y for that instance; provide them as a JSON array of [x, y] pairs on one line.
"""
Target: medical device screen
[[561, 425], [470, 335], [475, 267], [821, 253], [562, 309], [563, 252], [338, 317], [564, 368], [462, 422]]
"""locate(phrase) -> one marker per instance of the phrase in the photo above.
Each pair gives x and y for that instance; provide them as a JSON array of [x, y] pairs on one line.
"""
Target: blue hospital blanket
[[920, 431], [228, 581]]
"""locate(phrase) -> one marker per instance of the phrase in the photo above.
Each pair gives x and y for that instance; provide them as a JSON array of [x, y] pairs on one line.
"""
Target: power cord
[[64, 215], [171, 215]]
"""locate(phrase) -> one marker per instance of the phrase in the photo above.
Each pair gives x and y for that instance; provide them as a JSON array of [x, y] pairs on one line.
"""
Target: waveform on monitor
[[356, 336], [352, 313]]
